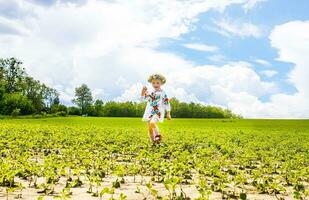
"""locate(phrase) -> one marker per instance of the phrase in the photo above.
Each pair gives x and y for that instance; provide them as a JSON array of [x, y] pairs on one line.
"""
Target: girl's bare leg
[[151, 131], [156, 137], [156, 130]]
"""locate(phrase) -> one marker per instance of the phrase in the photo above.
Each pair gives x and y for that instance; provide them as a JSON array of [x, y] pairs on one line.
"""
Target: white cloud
[[131, 94], [292, 41], [111, 46], [10, 27], [269, 73], [201, 47], [263, 62], [238, 87], [233, 85], [98, 42], [251, 4], [241, 29], [217, 58], [15, 9], [203, 81]]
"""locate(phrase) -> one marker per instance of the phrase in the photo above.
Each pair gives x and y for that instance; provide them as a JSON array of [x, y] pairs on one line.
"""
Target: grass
[[229, 158]]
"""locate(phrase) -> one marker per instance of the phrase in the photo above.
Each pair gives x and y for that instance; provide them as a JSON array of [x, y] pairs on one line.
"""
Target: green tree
[[2, 90], [12, 74], [83, 98], [74, 111], [98, 108], [13, 101], [58, 108], [34, 90], [51, 97], [15, 84]]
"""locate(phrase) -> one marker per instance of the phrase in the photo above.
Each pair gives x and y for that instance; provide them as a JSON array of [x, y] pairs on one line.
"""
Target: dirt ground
[[129, 188]]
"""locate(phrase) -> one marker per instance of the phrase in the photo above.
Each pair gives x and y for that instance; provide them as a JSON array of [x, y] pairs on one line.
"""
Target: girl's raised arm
[[144, 96]]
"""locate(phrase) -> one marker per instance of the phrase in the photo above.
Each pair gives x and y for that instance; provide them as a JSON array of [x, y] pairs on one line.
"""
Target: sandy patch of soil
[[130, 189]]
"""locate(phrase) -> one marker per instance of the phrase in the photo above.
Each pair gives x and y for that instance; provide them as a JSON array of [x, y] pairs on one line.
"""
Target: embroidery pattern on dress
[[157, 104], [154, 104]]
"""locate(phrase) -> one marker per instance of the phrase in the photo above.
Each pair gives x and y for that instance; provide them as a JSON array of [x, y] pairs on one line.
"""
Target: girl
[[157, 104]]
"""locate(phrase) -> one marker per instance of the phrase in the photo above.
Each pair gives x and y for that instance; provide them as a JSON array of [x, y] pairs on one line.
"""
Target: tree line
[[21, 94], [134, 109]]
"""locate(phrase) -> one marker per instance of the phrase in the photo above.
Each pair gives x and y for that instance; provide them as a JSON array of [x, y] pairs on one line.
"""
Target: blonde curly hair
[[159, 77]]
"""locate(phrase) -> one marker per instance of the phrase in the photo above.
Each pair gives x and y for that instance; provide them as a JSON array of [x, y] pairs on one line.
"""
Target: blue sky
[[267, 15], [247, 55]]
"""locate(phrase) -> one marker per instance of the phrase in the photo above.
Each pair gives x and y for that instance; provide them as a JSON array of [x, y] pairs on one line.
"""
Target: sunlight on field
[[85, 158]]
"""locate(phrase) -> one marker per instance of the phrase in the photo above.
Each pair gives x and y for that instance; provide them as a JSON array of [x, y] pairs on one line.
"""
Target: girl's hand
[[168, 115], [144, 90]]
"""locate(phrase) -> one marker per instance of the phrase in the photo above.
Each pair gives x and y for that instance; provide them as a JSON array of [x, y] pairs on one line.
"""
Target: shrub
[[16, 101], [61, 114], [58, 108], [74, 111], [15, 112]]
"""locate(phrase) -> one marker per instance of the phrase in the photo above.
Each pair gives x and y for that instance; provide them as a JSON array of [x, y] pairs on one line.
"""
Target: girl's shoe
[[157, 139]]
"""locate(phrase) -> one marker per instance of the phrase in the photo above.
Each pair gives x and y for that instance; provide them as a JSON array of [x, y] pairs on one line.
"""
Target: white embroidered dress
[[157, 104]]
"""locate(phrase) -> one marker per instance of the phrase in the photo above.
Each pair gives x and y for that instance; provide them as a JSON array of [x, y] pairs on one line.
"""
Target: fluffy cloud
[[231, 85], [263, 62], [97, 42], [292, 41], [201, 47], [251, 4], [131, 94], [54, 2], [269, 73], [204, 81], [239, 88], [112, 47], [8, 27], [242, 29], [15, 9]]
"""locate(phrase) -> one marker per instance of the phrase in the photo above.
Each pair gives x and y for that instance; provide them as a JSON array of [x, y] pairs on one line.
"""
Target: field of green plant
[[112, 158]]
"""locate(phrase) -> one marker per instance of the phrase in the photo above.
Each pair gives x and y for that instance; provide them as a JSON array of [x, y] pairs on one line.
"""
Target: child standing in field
[[157, 104]]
